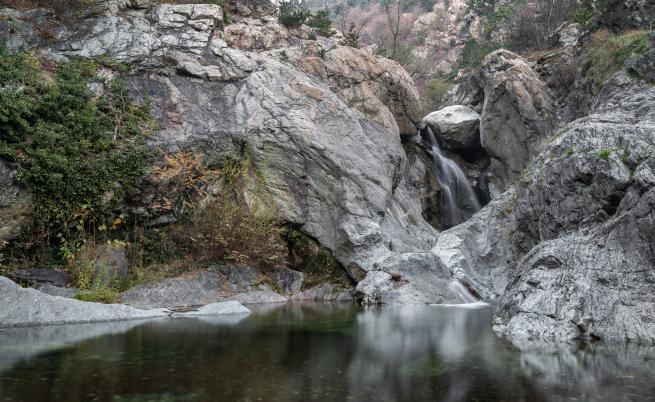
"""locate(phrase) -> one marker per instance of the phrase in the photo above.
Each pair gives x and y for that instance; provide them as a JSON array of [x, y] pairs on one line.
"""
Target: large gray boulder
[[478, 252], [518, 113], [29, 307], [585, 217], [457, 126]]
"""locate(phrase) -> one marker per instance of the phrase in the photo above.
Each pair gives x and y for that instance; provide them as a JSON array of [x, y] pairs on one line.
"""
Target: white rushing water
[[458, 200], [462, 293]]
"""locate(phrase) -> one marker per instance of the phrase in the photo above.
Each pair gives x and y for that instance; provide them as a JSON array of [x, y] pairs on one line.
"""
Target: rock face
[[457, 126], [29, 307], [326, 292], [478, 252], [242, 283], [320, 121], [586, 216], [517, 114]]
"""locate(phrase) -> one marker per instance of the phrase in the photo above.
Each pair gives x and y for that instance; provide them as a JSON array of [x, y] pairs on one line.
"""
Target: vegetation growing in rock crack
[[76, 152]]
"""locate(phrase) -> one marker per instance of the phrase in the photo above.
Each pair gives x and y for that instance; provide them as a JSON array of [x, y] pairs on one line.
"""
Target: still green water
[[314, 352]]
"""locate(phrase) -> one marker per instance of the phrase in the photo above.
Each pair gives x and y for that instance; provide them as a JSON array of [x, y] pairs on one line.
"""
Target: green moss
[[569, 151], [316, 262], [605, 153]]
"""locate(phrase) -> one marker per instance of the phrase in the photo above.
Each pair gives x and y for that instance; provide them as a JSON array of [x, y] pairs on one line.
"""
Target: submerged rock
[[29, 307], [222, 308]]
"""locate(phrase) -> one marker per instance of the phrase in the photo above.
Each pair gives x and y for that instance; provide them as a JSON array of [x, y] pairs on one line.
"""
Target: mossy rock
[[315, 261]]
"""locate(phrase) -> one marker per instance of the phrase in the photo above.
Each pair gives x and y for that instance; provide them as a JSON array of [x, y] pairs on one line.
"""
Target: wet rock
[[189, 290], [242, 283], [222, 308], [416, 278], [263, 295], [29, 307], [478, 252], [326, 292], [456, 126]]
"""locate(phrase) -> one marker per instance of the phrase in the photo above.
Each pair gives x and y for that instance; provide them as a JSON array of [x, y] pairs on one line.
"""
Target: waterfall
[[462, 293], [458, 200]]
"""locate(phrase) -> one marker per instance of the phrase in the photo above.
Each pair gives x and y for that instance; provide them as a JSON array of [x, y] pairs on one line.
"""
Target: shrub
[[76, 154], [293, 15], [239, 225], [99, 295], [607, 53], [474, 52], [435, 89], [605, 153]]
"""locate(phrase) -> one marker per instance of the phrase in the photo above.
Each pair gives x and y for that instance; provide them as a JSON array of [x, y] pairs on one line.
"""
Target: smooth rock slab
[[228, 307], [29, 307]]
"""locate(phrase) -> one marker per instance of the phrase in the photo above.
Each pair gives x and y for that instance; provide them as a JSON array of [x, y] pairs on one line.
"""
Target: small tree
[[353, 34], [393, 11]]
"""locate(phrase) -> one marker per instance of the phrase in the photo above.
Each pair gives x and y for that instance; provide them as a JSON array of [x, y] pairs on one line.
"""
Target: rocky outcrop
[[585, 219], [29, 307], [242, 283], [456, 126], [321, 122], [518, 113], [478, 252]]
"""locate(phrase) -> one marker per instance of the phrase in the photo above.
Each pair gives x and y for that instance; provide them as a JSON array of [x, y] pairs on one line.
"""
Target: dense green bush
[[293, 15], [76, 154]]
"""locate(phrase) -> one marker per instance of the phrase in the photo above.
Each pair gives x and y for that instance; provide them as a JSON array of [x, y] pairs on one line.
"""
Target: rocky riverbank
[[564, 243]]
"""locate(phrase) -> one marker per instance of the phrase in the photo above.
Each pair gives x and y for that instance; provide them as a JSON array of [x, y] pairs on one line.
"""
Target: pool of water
[[314, 352]]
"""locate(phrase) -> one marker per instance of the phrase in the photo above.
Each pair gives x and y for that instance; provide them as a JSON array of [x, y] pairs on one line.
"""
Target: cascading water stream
[[458, 199]]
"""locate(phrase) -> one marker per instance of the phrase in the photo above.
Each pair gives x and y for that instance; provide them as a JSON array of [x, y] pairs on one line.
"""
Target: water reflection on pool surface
[[321, 352]]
